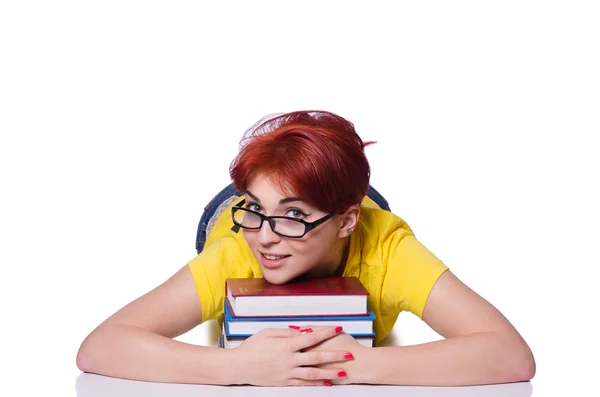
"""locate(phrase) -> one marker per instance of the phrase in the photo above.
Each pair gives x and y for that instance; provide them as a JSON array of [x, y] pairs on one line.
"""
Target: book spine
[[245, 336]]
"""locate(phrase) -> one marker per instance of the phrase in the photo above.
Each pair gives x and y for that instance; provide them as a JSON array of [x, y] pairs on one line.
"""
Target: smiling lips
[[273, 257], [273, 261]]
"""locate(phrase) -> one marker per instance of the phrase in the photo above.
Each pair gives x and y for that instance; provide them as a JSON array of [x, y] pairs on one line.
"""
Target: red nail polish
[[348, 356], [294, 327], [338, 330], [326, 383], [342, 374], [306, 330]]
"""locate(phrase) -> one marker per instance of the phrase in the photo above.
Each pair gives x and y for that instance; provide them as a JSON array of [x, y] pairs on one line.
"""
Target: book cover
[[255, 297], [250, 325], [324, 286], [234, 341], [240, 337], [229, 343]]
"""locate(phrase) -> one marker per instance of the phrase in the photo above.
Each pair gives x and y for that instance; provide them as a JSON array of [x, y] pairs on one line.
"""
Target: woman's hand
[[276, 357], [344, 342]]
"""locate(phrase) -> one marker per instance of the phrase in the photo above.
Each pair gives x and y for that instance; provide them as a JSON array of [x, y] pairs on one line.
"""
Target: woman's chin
[[276, 277]]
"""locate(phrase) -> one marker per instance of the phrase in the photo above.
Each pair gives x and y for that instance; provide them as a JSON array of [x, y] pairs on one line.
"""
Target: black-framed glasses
[[281, 225]]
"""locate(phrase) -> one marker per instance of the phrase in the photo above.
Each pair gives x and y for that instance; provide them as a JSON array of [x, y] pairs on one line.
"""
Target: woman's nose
[[266, 235]]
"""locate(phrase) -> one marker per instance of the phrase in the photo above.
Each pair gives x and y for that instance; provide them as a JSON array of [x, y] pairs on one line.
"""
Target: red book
[[333, 296]]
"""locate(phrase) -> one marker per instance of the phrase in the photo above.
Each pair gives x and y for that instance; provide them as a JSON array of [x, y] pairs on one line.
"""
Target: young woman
[[310, 168]]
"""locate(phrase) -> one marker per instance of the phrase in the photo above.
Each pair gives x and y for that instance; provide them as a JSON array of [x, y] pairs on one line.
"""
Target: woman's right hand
[[274, 357]]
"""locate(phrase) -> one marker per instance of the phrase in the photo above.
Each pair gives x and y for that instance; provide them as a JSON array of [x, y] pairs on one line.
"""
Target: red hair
[[315, 155]]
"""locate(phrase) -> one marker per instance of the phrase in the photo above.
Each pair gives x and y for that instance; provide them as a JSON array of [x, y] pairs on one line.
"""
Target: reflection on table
[[90, 385]]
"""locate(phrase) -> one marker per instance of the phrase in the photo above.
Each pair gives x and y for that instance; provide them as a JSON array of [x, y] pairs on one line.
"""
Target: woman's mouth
[[272, 261]]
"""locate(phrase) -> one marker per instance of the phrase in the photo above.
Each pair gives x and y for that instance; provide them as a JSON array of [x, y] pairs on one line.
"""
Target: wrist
[[230, 367], [366, 370], [236, 368]]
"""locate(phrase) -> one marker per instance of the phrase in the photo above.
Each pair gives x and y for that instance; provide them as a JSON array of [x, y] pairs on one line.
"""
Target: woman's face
[[282, 259]]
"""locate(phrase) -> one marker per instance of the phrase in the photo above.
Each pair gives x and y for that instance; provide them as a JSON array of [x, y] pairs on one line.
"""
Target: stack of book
[[253, 304]]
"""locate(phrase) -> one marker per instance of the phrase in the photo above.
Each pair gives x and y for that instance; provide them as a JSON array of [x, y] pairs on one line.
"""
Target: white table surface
[[90, 385]]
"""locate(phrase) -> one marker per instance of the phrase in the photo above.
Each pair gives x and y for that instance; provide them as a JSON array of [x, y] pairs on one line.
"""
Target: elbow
[[523, 371], [521, 365], [527, 366], [96, 352], [87, 354], [83, 359]]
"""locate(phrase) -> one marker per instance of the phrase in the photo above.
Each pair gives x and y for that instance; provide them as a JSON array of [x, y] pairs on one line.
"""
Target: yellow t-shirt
[[397, 270]]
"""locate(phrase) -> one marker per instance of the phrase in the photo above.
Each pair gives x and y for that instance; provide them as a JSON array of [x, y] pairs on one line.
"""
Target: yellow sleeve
[[221, 260], [412, 271]]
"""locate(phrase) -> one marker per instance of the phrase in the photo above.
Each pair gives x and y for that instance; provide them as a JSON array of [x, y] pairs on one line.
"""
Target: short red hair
[[315, 155]]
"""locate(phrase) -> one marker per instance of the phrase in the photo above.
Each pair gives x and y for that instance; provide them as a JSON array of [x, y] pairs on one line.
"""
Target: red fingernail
[[338, 329], [294, 327], [348, 356], [342, 374], [327, 383], [305, 330]]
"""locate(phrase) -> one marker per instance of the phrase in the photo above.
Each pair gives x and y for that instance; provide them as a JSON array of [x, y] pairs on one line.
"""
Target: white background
[[119, 119]]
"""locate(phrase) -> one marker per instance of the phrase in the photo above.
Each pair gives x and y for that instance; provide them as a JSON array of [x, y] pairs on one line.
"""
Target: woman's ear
[[349, 221]]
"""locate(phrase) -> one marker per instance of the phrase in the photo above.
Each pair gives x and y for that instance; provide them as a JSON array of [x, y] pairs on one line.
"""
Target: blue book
[[231, 342], [243, 327]]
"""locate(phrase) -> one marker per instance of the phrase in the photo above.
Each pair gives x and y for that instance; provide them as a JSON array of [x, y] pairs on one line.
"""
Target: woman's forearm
[[481, 358], [129, 352]]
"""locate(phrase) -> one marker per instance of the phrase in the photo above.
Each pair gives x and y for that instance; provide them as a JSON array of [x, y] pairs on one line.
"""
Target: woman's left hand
[[353, 367]]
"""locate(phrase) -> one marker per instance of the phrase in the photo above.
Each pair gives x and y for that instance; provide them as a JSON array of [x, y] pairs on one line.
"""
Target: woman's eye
[[296, 213], [253, 207]]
